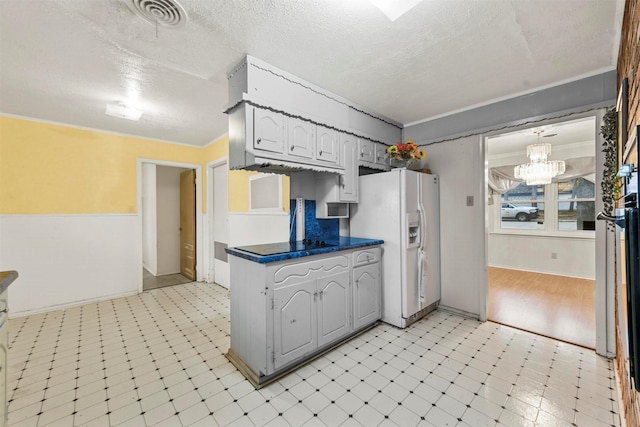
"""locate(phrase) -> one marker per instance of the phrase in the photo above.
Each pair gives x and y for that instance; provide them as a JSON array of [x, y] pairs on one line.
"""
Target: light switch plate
[[469, 200]]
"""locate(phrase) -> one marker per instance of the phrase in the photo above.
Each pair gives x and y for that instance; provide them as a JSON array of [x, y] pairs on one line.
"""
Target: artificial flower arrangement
[[407, 151]]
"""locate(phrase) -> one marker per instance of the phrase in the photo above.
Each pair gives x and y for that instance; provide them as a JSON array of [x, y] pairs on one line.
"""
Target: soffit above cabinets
[[64, 60]]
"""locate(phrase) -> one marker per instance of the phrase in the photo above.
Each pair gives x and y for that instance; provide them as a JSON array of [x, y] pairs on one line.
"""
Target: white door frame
[[200, 259], [605, 245], [208, 223]]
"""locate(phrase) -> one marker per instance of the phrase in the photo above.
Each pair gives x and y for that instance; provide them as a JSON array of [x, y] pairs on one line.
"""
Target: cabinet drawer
[[308, 270], [366, 256]]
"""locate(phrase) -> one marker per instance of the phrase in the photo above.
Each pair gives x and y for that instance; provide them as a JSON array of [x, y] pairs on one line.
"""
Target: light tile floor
[[158, 359]]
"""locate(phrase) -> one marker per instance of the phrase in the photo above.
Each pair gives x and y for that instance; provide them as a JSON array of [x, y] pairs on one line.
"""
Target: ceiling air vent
[[167, 13]]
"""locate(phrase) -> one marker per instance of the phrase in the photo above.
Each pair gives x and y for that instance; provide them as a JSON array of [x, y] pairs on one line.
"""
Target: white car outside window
[[520, 213]]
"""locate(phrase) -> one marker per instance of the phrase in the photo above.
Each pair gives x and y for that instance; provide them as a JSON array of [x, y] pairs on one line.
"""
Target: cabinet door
[[327, 145], [268, 133], [302, 138], [366, 295], [295, 322], [333, 307], [381, 155], [366, 151], [349, 180]]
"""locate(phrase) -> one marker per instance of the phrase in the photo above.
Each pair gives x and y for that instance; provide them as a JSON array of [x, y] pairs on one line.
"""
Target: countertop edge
[[7, 278], [266, 259]]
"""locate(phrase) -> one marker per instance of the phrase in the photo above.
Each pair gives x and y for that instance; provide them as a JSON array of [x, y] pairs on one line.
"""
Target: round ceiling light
[[167, 13]]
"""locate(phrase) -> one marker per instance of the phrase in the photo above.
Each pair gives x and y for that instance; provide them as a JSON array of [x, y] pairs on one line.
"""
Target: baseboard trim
[[541, 272], [65, 306], [474, 316]]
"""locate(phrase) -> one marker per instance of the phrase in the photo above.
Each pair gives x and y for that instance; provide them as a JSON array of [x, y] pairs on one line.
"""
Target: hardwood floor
[[554, 306]]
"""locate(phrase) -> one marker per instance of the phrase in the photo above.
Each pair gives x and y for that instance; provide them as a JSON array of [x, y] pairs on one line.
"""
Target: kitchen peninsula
[[292, 301]]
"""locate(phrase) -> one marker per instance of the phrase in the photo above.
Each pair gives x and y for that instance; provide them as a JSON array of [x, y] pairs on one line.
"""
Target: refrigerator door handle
[[422, 288], [421, 225]]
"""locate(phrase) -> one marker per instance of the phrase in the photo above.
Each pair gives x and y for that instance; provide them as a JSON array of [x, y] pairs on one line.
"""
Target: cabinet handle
[[361, 154], [292, 147], [258, 140], [357, 283], [320, 152]]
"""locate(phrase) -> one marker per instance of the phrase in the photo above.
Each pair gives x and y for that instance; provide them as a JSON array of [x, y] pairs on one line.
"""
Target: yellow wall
[[54, 169]]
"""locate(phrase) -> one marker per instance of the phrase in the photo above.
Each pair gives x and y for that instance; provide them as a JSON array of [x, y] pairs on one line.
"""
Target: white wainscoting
[[67, 260], [575, 257], [253, 228]]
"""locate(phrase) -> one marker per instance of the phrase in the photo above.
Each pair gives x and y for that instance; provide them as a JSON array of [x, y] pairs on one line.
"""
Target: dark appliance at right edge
[[627, 219]]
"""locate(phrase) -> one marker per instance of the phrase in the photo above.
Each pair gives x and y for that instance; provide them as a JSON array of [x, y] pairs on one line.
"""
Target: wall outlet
[[469, 200], [554, 255]]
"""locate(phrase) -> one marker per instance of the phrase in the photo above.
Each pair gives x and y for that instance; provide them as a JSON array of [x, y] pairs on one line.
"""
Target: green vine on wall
[[609, 185]]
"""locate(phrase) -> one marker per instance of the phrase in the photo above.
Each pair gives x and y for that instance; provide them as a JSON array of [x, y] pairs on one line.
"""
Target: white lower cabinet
[[295, 325], [308, 315], [366, 298], [334, 314], [286, 312]]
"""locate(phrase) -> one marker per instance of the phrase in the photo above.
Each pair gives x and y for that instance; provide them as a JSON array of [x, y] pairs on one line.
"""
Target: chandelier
[[539, 171]]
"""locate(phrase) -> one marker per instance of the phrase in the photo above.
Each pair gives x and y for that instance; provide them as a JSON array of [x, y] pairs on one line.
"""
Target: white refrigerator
[[401, 207]]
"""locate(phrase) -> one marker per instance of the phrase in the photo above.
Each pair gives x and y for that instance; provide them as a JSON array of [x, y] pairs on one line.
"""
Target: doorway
[[218, 221], [170, 227], [541, 240]]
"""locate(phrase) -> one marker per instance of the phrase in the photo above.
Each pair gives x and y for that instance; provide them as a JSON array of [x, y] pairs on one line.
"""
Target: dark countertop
[[289, 250], [6, 278]]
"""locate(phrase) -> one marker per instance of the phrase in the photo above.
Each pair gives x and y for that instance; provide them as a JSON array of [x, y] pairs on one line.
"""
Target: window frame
[[550, 225]]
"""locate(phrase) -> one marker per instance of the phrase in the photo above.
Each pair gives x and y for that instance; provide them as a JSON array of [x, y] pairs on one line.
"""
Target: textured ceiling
[[63, 60]]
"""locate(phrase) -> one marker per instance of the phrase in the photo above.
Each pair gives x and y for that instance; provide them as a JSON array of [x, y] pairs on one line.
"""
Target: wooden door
[[295, 328], [188, 224], [333, 307], [366, 295]]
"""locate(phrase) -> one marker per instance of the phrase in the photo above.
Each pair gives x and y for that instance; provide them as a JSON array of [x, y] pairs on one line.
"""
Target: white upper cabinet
[[372, 154], [349, 180], [381, 154], [327, 145], [269, 131], [278, 121], [366, 150], [302, 138]]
